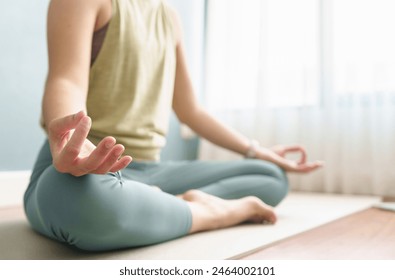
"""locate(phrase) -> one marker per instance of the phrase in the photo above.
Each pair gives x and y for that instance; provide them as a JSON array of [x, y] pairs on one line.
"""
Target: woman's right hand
[[73, 153]]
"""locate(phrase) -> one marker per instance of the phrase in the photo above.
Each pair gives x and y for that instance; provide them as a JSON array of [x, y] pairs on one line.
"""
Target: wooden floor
[[368, 235]]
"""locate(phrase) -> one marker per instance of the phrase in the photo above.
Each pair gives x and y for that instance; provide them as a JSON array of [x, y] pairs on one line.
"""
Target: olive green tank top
[[131, 82]]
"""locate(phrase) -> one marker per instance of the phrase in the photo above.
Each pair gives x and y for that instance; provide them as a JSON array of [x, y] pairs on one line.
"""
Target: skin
[[71, 24]]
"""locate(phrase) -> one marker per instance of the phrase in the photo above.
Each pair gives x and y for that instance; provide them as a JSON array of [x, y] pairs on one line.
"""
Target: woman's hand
[[277, 154], [73, 153]]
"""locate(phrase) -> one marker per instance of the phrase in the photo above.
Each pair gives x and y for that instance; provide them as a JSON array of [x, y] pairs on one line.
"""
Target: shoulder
[[76, 5], [177, 23], [78, 8]]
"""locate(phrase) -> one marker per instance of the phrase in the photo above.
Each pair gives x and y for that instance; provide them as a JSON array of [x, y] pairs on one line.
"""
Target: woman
[[127, 79]]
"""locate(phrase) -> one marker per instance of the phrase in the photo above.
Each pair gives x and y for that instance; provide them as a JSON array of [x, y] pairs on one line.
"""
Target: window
[[282, 53], [363, 47]]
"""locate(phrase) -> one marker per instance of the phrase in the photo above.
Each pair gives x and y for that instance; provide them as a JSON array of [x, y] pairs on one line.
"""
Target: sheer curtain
[[317, 73]]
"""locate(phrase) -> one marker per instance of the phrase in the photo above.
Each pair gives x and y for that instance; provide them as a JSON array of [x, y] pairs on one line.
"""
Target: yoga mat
[[299, 212]]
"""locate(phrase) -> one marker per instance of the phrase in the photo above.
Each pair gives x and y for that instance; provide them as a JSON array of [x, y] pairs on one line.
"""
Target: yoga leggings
[[123, 210]]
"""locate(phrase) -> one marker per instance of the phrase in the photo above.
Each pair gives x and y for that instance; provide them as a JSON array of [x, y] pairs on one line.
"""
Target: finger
[[303, 156], [98, 156], [297, 148], [62, 125], [121, 164], [111, 159], [308, 167], [73, 147], [293, 148]]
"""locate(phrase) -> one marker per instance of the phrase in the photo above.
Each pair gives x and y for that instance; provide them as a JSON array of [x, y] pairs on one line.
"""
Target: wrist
[[269, 155], [252, 151], [258, 152]]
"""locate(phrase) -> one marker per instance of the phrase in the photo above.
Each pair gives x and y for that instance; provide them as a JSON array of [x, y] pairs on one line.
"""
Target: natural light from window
[[284, 53]]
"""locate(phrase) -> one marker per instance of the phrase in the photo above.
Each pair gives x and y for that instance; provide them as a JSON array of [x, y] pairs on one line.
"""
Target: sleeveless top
[[131, 80]]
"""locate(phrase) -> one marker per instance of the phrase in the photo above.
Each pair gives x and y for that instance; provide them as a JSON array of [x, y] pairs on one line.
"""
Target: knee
[[281, 184], [275, 182], [76, 210], [279, 193], [273, 170], [64, 191], [270, 169]]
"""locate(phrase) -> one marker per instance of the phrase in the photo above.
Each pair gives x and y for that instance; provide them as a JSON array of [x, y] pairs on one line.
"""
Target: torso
[[132, 80], [102, 21]]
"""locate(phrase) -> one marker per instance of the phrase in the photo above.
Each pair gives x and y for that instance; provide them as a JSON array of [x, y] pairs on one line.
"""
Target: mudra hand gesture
[[278, 153], [73, 153]]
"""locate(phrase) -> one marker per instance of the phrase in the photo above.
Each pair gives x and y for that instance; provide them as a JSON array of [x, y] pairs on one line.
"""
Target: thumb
[[62, 125]]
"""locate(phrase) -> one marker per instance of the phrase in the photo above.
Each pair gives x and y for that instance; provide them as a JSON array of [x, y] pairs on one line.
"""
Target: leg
[[101, 212], [246, 185], [210, 212], [228, 180]]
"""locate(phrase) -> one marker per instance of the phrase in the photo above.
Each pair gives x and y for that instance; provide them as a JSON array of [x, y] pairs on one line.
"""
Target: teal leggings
[[123, 210]]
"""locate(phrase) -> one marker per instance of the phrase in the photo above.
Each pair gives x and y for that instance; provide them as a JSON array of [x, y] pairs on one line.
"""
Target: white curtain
[[320, 73]]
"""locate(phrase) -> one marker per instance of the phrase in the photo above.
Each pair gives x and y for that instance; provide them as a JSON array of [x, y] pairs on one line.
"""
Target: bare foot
[[211, 212]]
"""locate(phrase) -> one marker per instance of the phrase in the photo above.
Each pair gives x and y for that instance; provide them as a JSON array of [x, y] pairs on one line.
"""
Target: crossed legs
[[104, 212]]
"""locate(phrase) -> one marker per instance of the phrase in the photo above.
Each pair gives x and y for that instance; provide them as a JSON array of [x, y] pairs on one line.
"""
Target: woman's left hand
[[277, 154]]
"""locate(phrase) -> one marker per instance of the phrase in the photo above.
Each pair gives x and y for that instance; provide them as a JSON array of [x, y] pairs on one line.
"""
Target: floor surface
[[367, 235], [298, 213]]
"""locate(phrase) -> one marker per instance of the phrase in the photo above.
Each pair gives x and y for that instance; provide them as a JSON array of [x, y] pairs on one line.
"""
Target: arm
[[69, 32], [192, 114], [70, 27]]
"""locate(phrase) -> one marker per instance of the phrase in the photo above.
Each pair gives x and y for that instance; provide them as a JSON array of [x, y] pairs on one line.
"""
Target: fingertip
[[112, 138], [86, 120], [121, 163], [80, 134], [84, 124], [81, 113], [118, 149], [126, 160], [78, 116], [109, 142]]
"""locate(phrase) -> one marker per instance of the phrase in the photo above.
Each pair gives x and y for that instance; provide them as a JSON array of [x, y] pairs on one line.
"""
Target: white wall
[[23, 66]]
